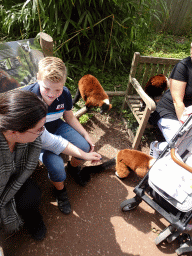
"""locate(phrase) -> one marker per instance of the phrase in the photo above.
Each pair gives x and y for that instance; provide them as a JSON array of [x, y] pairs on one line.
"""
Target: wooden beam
[[80, 112], [118, 93]]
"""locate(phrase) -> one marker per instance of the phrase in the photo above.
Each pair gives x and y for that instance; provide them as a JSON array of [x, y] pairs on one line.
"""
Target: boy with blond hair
[[68, 136]]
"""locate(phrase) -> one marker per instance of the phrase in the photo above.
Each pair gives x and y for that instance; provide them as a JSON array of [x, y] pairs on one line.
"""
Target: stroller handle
[[179, 162]]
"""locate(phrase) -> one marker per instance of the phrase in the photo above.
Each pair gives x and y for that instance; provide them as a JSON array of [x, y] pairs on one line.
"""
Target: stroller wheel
[[164, 235], [129, 204], [185, 244], [185, 248]]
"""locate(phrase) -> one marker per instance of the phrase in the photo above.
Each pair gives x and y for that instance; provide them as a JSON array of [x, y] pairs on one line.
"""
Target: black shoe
[[39, 231], [79, 175], [63, 201]]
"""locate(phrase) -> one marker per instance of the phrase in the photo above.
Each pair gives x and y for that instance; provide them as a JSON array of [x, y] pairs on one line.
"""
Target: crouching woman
[[22, 118]]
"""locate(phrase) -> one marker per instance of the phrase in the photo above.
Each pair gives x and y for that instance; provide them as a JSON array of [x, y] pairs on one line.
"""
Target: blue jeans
[[53, 162]]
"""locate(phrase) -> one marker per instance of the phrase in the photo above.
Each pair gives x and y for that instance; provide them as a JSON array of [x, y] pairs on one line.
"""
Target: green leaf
[[65, 27]]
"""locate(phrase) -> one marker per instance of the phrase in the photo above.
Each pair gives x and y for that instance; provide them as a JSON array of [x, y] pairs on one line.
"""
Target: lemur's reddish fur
[[156, 86], [7, 82], [127, 160], [137, 161], [92, 92]]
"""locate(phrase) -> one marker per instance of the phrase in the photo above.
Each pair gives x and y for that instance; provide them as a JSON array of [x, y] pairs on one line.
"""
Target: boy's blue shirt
[[57, 108], [52, 142]]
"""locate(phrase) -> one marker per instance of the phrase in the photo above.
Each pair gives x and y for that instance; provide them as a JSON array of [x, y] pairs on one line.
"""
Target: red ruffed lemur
[[126, 161], [155, 88], [92, 93], [133, 160]]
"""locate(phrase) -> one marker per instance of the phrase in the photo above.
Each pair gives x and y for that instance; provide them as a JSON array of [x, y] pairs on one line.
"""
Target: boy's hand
[[88, 139]]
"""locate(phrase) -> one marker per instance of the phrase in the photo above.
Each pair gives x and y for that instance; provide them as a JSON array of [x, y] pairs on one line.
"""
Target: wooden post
[[46, 42]]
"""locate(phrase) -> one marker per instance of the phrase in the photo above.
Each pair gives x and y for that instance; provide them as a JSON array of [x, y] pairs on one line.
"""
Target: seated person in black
[[172, 105]]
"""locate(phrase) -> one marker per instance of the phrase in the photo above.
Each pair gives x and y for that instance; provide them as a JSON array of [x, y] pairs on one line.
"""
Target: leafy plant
[[83, 30], [85, 118], [131, 121]]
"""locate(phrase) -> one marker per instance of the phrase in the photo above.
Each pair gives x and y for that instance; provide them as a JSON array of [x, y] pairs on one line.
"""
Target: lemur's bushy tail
[[85, 173], [77, 97], [108, 164], [101, 167]]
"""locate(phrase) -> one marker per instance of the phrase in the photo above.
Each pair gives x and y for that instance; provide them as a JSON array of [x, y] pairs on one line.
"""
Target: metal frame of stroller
[[178, 220]]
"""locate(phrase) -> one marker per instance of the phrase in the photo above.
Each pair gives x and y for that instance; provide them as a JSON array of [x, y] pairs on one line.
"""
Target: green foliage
[[83, 30], [131, 121], [165, 45], [111, 79], [85, 118]]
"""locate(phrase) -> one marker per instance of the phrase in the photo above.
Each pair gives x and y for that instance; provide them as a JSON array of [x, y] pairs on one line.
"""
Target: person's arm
[[177, 89], [73, 122], [53, 143], [77, 152], [58, 145]]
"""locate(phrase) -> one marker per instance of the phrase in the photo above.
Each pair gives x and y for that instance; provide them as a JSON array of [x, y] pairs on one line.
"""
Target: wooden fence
[[179, 17]]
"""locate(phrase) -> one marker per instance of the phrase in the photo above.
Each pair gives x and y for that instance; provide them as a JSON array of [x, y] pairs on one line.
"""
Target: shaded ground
[[96, 225]]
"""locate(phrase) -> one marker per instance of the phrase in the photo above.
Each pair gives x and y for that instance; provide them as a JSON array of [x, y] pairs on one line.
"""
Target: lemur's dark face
[[104, 108]]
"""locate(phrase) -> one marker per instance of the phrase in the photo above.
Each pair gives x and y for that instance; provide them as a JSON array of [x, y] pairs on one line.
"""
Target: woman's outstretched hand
[[93, 157]]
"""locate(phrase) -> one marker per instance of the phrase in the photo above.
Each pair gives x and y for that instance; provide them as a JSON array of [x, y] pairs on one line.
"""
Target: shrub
[[83, 30]]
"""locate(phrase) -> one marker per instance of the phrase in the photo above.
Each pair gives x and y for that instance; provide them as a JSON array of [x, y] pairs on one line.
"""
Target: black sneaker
[[63, 201], [80, 176], [39, 231]]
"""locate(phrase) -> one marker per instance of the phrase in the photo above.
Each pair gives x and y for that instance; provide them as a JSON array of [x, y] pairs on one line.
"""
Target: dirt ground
[[96, 226]]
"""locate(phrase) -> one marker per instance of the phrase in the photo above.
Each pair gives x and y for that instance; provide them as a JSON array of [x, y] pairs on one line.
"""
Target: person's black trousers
[[27, 202]]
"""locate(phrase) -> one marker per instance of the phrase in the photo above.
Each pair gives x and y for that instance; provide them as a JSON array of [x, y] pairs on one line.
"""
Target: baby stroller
[[167, 188]]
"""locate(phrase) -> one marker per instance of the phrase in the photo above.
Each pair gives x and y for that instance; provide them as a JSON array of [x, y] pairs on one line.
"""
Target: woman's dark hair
[[20, 110]]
